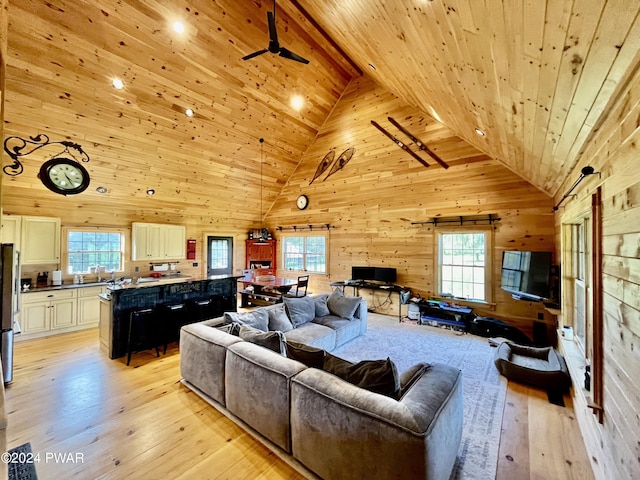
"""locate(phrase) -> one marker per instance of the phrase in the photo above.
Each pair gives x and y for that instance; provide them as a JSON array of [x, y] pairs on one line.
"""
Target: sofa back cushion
[[271, 340], [310, 356], [342, 306], [278, 319], [301, 310], [258, 318], [380, 376]]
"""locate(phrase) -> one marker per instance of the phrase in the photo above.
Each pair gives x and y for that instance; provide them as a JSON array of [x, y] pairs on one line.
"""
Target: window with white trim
[[464, 264], [93, 248], [305, 253]]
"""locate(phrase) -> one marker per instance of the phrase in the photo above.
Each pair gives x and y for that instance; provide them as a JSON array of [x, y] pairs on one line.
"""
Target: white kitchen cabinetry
[[57, 311], [48, 310], [154, 241], [40, 240], [10, 232], [89, 306], [175, 242]]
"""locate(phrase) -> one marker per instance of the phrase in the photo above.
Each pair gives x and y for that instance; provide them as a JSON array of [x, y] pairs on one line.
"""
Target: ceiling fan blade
[[255, 54], [273, 33], [292, 56]]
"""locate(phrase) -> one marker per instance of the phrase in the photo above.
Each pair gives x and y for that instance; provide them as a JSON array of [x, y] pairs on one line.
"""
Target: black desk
[[403, 293]]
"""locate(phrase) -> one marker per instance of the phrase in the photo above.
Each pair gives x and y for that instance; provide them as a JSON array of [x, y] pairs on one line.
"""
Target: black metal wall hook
[[585, 172], [33, 144]]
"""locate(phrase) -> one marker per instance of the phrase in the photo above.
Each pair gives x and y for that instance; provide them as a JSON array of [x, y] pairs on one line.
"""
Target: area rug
[[484, 389], [21, 463]]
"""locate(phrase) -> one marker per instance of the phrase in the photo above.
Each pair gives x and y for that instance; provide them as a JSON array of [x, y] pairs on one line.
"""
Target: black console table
[[403, 293]]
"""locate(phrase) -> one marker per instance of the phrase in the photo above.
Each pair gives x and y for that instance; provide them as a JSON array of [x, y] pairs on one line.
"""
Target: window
[[464, 264], [305, 253], [219, 255], [92, 248]]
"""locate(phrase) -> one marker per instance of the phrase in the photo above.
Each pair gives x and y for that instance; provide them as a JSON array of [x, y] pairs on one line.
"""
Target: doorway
[[219, 255]]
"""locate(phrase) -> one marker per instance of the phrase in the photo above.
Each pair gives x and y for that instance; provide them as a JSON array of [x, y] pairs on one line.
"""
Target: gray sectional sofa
[[326, 427]]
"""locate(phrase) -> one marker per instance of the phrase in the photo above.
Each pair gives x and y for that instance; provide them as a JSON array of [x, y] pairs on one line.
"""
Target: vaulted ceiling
[[537, 77]]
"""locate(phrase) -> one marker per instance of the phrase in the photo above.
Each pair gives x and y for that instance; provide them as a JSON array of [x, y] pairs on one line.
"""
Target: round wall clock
[[64, 176], [302, 202]]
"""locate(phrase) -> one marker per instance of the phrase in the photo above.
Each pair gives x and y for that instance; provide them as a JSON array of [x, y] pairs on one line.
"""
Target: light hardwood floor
[[134, 422]]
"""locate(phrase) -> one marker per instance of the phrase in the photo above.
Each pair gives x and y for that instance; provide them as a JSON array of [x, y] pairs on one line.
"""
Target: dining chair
[[300, 288]]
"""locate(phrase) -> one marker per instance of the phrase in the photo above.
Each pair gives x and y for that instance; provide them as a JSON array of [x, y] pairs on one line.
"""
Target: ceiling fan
[[274, 46]]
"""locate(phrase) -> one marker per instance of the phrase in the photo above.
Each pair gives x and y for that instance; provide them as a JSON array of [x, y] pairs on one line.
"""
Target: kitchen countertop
[[149, 281]]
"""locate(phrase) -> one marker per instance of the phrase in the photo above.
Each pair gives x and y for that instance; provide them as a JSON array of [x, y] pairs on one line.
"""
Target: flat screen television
[[380, 274], [526, 275]]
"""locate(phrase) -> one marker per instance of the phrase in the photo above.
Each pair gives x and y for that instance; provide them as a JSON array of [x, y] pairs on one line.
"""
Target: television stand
[[403, 293]]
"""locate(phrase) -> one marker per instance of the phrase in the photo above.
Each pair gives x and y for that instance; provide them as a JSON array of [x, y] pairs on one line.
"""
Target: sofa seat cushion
[[346, 330], [313, 335], [258, 389], [419, 435], [203, 352]]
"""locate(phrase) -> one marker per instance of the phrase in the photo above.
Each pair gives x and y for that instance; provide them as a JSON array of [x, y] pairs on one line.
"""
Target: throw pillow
[[271, 340], [321, 306], [278, 319], [310, 356], [258, 319], [342, 306], [301, 310], [380, 376], [232, 328]]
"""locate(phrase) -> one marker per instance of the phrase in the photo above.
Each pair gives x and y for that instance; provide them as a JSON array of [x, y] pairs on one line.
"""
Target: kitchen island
[[117, 304]]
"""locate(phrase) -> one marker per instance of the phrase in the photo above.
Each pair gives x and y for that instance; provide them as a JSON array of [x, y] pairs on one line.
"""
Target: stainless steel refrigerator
[[9, 305]]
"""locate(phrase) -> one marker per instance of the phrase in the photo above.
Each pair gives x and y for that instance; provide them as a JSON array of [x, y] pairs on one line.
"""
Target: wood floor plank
[[140, 422]]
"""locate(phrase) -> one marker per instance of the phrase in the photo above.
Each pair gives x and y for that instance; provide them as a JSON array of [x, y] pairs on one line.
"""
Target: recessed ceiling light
[[188, 112], [117, 84], [479, 132], [101, 190], [178, 27], [151, 192], [297, 102]]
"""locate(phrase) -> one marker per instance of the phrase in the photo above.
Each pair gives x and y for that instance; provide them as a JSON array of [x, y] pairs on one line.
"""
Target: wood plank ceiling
[[536, 76]]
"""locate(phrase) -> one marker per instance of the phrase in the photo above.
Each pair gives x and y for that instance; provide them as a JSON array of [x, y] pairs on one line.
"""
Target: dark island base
[[172, 305]]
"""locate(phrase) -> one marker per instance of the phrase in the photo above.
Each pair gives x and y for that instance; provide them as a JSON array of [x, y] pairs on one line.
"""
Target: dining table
[[257, 291]]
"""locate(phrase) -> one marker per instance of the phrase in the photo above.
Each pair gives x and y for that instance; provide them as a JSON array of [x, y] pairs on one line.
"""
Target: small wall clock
[[302, 202], [64, 176]]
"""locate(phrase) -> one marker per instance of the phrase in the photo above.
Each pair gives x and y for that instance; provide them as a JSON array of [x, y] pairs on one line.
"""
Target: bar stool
[[172, 318], [142, 335], [200, 310]]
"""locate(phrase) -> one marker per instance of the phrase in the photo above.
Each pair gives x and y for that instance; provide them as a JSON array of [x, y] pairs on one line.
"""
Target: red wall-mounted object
[[191, 249]]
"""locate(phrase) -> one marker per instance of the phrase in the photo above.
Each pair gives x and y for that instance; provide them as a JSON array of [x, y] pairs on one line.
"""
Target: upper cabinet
[[10, 232], [40, 240], [153, 241]]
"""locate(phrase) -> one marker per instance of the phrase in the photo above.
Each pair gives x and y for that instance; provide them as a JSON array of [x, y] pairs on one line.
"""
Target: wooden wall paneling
[[614, 152], [374, 199]]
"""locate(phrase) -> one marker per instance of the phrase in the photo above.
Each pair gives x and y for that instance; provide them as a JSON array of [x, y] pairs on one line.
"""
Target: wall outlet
[[137, 269], [194, 264], [540, 316]]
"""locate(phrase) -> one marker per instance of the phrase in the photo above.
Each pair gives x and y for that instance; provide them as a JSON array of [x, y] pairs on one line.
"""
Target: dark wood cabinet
[[263, 253]]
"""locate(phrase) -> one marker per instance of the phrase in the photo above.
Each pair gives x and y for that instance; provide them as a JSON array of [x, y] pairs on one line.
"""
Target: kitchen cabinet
[[48, 310], [10, 232], [57, 311], [89, 306], [40, 240], [153, 241]]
